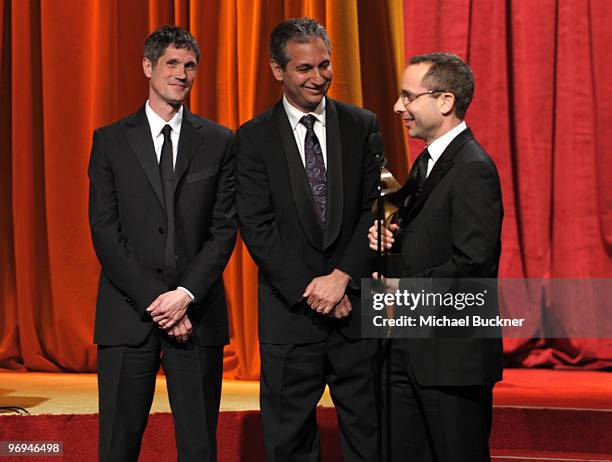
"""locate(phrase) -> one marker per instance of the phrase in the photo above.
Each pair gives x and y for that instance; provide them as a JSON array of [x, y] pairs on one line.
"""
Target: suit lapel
[[139, 138], [297, 177], [189, 141], [334, 173], [441, 168]]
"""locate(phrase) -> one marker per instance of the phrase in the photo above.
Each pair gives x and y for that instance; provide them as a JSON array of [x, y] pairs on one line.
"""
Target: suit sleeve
[[475, 224], [208, 264], [117, 258], [278, 262], [356, 261]]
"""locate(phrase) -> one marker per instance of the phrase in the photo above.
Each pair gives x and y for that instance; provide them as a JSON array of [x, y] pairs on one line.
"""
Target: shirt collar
[[437, 147], [157, 123], [295, 115]]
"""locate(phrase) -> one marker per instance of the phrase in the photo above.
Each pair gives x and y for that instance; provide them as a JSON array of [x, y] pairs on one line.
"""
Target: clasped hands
[[169, 312], [326, 295]]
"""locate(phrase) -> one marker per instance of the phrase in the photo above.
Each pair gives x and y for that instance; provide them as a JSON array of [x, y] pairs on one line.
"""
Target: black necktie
[[166, 172], [315, 167], [417, 177], [421, 170]]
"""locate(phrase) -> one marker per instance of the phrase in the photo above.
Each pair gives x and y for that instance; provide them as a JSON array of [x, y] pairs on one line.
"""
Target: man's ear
[[277, 70], [446, 103], [147, 67]]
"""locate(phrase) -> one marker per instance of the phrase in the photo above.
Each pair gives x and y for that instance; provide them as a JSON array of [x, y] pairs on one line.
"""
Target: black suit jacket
[[279, 225], [452, 229], [128, 226]]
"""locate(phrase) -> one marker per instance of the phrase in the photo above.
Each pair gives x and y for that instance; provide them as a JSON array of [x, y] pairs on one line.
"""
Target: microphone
[[376, 147], [375, 142]]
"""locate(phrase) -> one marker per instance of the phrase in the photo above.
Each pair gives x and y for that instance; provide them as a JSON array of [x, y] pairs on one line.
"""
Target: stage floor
[[55, 393]]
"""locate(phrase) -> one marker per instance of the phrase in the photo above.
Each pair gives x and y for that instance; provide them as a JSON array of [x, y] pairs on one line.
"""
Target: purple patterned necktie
[[315, 167]]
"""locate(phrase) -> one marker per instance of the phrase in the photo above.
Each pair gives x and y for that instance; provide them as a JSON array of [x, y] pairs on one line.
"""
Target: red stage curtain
[[542, 110], [68, 66]]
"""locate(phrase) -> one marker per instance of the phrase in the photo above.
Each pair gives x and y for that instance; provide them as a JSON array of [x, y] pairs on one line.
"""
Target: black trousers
[[126, 384], [293, 379], [431, 424]]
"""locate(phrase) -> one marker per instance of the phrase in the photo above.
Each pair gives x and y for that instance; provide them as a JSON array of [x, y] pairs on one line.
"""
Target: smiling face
[[425, 115], [308, 73], [171, 78]]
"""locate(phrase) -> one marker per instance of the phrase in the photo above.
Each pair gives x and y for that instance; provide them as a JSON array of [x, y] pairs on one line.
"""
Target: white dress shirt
[[156, 124], [437, 147], [299, 130]]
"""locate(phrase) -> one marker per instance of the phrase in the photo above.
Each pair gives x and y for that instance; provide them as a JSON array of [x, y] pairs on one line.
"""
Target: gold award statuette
[[389, 185]]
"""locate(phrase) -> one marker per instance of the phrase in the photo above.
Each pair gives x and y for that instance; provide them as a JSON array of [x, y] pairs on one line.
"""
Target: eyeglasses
[[407, 98]]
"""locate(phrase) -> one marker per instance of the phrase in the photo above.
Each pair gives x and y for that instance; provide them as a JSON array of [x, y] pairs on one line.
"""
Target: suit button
[[159, 270], [161, 230]]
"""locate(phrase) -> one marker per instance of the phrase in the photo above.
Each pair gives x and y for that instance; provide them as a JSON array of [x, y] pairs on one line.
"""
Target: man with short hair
[[440, 390], [306, 180], [162, 219]]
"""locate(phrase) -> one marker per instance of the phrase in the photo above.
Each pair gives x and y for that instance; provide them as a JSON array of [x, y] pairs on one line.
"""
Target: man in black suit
[[440, 390], [162, 219], [305, 182]]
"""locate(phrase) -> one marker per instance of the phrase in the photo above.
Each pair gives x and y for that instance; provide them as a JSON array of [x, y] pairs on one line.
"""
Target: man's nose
[[179, 72], [399, 107], [318, 78]]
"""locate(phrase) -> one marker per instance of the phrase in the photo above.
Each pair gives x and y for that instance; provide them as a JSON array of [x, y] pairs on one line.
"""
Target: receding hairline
[[182, 47], [421, 64], [303, 40]]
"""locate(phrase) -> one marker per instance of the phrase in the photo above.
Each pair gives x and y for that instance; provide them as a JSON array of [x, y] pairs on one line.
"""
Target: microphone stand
[[388, 186], [383, 414]]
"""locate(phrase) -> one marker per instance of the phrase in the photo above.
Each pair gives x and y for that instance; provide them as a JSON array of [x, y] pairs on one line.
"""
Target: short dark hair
[[156, 43], [450, 73], [298, 29]]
